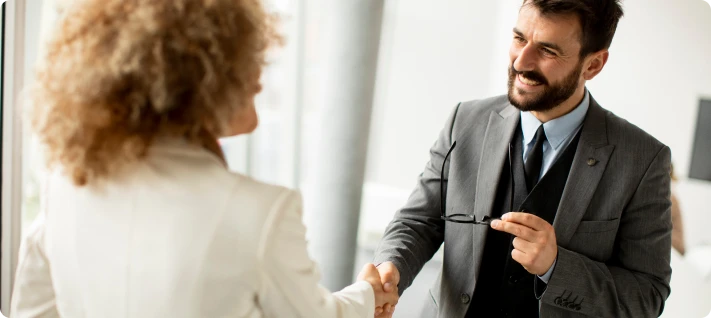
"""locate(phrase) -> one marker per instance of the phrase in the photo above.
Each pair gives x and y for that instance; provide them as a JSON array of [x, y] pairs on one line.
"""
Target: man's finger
[[385, 314], [378, 310], [388, 314], [522, 245], [521, 258], [515, 229], [526, 219]]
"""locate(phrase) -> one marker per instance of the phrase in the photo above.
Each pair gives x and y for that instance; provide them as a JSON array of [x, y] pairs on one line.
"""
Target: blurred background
[[428, 57]]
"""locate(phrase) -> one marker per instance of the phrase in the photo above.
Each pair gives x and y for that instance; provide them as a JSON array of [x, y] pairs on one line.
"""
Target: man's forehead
[[562, 29]]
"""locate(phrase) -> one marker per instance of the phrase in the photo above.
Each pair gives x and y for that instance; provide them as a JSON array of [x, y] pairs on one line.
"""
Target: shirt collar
[[557, 130]]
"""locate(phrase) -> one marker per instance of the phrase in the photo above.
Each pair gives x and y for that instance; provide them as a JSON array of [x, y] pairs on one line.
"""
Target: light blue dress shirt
[[559, 133]]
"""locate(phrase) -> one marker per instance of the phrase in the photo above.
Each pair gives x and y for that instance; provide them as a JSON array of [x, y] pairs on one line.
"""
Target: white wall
[[434, 56]]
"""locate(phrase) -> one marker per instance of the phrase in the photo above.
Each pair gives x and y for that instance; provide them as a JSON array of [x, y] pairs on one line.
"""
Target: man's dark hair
[[598, 19]]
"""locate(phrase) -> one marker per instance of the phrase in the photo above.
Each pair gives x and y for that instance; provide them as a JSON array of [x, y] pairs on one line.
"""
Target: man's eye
[[548, 52], [519, 39]]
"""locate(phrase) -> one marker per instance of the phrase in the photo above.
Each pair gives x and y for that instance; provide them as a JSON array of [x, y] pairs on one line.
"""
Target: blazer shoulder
[[469, 116], [251, 204], [482, 106], [629, 136], [260, 195]]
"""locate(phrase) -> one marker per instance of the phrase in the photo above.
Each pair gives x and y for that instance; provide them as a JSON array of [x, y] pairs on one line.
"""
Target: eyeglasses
[[468, 218]]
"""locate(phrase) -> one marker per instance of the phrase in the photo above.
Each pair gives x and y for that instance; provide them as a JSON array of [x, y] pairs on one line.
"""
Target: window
[[272, 153], [32, 167], [2, 96]]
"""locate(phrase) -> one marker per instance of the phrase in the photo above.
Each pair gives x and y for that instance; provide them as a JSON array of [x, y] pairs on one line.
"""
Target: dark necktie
[[535, 159]]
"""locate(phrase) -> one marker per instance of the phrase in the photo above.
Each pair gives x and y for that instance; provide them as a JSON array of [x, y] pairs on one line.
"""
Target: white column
[[333, 194], [11, 197]]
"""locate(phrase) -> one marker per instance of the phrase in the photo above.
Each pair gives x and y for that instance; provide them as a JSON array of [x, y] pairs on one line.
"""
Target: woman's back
[[177, 236], [173, 237]]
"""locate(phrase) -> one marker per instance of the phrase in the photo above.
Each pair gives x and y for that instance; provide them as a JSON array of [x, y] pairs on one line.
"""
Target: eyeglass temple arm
[[442, 195], [511, 179]]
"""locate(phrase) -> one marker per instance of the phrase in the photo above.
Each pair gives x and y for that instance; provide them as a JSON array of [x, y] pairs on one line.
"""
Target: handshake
[[384, 280]]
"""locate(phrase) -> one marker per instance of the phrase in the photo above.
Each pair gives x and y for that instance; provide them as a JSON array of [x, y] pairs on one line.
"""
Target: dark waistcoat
[[504, 288]]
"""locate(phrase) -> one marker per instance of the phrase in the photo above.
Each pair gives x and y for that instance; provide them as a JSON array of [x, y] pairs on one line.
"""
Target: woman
[[141, 217]]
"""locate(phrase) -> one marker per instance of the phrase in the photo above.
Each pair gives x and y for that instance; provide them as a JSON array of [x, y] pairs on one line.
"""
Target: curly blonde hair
[[119, 73]]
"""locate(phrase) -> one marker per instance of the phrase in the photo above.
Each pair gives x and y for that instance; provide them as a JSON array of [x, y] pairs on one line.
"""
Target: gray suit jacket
[[613, 225]]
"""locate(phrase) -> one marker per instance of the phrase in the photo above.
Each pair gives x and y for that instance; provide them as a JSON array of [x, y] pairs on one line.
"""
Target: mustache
[[532, 75]]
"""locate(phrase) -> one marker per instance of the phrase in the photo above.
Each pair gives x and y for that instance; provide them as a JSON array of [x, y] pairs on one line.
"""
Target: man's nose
[[525, 61]]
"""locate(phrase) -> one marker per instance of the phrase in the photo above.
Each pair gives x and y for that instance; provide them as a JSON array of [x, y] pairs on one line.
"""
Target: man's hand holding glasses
[[535, 245]]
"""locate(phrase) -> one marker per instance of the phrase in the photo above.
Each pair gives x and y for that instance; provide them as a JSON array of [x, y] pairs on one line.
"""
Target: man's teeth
[[528, 81]]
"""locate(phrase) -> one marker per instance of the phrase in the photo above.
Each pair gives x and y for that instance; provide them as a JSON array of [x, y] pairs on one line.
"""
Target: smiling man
[[579, 198]]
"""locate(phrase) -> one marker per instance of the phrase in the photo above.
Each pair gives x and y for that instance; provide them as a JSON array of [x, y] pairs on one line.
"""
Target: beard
[[552, 95]]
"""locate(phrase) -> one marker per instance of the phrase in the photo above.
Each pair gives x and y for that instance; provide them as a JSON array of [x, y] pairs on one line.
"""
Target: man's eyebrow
[[546, 44], [550, 46]]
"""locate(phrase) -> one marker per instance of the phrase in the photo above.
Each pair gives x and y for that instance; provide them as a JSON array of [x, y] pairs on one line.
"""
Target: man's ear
[[594, 64]]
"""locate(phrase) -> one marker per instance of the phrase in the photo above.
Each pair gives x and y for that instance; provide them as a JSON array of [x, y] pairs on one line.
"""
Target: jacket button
[[513, 280], [465, 298]]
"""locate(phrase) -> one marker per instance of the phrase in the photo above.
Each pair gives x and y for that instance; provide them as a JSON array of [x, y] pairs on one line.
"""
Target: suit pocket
[[594, 239], [430, 309], [433, 298], [597, 226]]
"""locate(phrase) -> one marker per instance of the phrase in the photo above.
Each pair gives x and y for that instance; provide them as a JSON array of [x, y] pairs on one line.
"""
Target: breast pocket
[[595, 239]]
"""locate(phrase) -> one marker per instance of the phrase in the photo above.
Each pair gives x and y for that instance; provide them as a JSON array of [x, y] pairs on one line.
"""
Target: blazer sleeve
[[291, 279], [635, 283], [417, 231], [33, 294]]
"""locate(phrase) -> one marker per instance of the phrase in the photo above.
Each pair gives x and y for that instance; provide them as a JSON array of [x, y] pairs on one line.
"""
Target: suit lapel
[[494, 154], [589, 164]]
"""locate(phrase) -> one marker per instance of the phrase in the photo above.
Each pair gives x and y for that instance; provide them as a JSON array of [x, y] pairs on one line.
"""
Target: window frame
[[12, 146]]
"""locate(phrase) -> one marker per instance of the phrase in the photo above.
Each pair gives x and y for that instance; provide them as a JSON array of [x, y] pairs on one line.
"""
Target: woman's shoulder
[[248, 189], [255, 202]]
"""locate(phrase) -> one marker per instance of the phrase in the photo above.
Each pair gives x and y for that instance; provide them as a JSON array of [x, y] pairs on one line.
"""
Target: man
[[592, 231]]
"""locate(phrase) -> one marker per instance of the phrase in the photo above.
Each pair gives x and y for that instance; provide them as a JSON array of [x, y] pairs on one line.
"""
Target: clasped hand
[[383, 298]]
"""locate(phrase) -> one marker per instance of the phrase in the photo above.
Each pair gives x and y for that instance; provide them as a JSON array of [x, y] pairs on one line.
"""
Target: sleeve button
[[465, 298]]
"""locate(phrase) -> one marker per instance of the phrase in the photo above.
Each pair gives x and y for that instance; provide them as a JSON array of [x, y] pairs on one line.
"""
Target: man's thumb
[[388, 276]]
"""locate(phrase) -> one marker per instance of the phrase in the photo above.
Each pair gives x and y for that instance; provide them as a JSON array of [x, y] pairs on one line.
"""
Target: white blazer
[[176, 236]]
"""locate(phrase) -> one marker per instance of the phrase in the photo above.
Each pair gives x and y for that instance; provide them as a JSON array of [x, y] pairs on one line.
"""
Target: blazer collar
[[594, 131]]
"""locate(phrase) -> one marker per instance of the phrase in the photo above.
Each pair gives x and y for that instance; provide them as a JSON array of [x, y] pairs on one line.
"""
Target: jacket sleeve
[[635, 283], [33, 293], [417, 231], [291, 279]]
